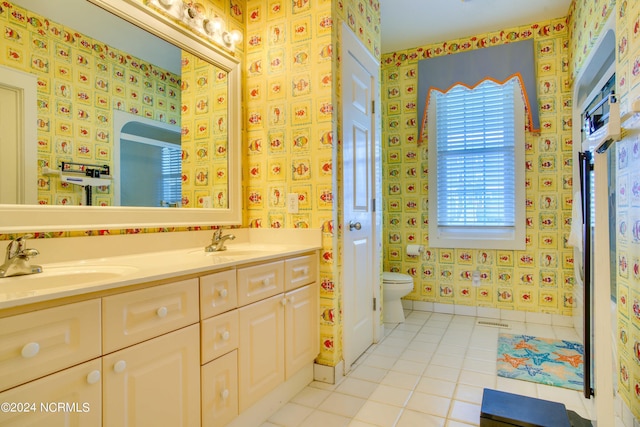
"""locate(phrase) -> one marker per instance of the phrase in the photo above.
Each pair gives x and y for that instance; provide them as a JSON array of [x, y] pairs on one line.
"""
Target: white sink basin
[[64, 276], [232, 253]]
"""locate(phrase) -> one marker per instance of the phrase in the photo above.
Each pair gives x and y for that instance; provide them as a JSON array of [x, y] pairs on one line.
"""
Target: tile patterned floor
[[428, 371]]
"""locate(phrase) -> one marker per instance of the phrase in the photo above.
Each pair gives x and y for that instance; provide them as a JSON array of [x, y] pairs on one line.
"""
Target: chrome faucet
[[217, 242], [16, 262]]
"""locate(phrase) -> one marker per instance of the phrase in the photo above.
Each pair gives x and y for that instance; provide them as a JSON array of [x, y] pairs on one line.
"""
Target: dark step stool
[[501, 409]]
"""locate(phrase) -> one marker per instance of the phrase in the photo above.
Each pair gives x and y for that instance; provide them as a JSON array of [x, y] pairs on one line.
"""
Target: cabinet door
[[261, 351], [69, 398], [155, 383], [35, 344], [301, 328], [220, 390]]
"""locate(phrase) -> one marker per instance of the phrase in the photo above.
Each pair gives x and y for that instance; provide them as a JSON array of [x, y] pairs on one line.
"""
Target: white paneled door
[[18, 137], [359, 84]]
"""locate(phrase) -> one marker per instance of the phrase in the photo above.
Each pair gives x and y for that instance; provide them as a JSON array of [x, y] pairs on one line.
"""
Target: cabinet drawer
[[259, 282], [220, 335], [79, 387], [36, 344], [218, 293], [220, 390], [300, 271], [135, 316]]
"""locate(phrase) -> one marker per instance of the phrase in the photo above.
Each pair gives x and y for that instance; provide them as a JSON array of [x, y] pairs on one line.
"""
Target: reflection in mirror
[[147, 162], [86, 77]]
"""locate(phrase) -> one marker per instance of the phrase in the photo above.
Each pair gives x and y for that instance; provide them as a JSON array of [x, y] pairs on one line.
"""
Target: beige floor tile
[[369, 373], [342, 404], [411, 418], [379, 414], [391, 395], [468, 393], [410, 366], [290, 415], [431, 375], [437, 387], [357, 387], [401, 380], [429, 404], [465, 412], [311, 397], [324, 419], [377, 361], [442, 373]]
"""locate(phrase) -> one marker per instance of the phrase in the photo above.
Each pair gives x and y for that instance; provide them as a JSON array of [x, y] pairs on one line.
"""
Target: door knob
[[354, 226]]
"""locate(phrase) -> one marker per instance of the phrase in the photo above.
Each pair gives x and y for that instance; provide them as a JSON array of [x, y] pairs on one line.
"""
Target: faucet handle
[[28, 253]]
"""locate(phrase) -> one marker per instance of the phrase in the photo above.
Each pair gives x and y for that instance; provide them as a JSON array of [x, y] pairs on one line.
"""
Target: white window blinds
[[475, 142], [172, 175], [476, 161]]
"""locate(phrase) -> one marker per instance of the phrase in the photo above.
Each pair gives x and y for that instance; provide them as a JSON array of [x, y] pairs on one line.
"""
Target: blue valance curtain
[[497, 63]]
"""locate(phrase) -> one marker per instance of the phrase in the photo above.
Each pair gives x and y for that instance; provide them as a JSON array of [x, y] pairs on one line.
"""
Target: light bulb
[[236, 36]]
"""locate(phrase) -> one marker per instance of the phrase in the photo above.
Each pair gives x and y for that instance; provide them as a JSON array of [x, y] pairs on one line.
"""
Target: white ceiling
[[408, 24]]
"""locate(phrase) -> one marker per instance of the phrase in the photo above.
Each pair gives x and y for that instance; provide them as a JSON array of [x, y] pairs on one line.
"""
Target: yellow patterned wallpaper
[[587, 20], [291, 125], [204, 134], [539, 278], [80, 82]]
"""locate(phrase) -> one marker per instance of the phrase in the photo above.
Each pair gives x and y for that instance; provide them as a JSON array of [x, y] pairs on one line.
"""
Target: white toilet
[[394, 287]]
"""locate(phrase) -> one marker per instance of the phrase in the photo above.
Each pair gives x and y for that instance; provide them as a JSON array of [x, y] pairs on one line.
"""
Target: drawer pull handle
[[162, 312], [93, 377], [30, 350], [284, 301], [223, 293], [120, 366], [265, 282], [225, 335], [224, 394]]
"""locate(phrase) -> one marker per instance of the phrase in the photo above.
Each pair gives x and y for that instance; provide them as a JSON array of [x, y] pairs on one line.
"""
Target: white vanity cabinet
[[302, 328], [37, 403], [131, 317], [154, 379], [154, 383], [39, 343], [279, 335], [220, 390], [197, 351]]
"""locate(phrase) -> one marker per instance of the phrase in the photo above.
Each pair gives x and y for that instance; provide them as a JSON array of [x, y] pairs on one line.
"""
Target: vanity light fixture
[[189, 14]]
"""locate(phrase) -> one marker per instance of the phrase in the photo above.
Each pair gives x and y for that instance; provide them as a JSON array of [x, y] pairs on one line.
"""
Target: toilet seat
[[396, 278]]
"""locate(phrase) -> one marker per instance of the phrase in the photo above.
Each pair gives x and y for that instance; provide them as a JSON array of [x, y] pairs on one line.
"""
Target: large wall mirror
[[125, 119]]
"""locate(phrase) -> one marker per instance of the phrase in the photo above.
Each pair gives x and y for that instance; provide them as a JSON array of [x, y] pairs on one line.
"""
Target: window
[[171, 176], [476, 167]]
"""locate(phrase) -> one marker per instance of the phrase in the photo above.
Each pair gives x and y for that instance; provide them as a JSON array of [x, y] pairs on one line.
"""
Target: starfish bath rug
[[541, 360]]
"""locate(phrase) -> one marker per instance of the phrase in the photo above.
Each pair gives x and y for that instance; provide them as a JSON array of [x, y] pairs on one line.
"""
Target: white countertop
[[84, 276]]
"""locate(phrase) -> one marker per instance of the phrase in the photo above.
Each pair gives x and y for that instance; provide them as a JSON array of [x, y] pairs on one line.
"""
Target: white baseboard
[[328, 374], [257, 414], [490, 313]]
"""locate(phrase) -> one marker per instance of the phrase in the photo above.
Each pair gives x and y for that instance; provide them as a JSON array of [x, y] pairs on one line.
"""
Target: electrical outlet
[[292, 203]]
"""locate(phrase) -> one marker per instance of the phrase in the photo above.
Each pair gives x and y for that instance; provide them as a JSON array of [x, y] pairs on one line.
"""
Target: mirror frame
[[43, 218]]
